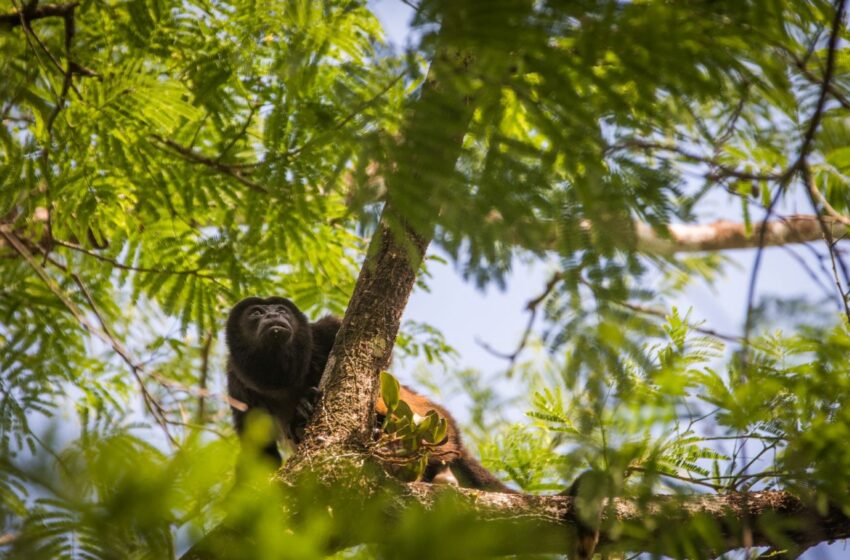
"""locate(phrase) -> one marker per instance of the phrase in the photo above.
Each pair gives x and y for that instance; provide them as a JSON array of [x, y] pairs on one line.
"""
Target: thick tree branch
[[365, 340], [526, 524], [546, 517], [724, 235]]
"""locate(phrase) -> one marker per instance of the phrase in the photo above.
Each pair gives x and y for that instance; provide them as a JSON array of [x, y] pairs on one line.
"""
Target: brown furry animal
[[277, 358]]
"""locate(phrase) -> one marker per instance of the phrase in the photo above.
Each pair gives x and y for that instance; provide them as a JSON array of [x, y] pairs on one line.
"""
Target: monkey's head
[[270, 342]]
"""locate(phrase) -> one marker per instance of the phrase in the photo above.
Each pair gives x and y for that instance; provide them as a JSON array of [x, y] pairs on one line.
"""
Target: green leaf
[[390, 390]]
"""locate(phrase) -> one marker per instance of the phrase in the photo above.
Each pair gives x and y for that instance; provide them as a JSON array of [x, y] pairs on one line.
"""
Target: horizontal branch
[[33, 12], [743, 519], [724, 235], [526, 524]]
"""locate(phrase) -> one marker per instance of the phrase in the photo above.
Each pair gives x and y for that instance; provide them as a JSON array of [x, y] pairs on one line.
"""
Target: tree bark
[[539, 524], [724, 235], [526, 524], [345, 417]]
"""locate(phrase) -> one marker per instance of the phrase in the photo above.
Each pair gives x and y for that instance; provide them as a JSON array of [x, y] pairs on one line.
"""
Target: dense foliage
[[161, 159]]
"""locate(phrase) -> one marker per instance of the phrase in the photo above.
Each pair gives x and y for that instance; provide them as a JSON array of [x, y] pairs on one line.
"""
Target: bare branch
[[718, 169], [532, 307], [832, 46], [837, 262], [724, 235], [202, 381], [660, 313]]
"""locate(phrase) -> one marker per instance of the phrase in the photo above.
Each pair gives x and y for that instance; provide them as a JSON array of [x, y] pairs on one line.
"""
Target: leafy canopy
[[163, 158]]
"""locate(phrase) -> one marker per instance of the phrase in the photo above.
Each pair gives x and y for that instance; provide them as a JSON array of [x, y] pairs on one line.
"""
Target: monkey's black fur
[[276, 359], [276, 362]]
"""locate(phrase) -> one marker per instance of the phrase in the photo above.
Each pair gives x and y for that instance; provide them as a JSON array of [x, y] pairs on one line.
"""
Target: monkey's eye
[[256, 312]]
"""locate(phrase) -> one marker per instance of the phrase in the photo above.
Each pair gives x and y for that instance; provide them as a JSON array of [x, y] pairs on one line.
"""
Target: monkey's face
[[269, 323], [260, 324], [270, 343]]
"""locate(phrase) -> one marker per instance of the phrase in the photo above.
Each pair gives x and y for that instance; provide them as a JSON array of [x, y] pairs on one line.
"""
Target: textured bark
[[751, 519], [365, 340], [343, 423], [525, 524]]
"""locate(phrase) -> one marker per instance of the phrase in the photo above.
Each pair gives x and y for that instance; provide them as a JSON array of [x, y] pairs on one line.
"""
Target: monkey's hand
[[304, 411]]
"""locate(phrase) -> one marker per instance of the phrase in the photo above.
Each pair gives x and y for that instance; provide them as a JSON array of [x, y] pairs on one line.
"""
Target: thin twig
[[721, 170], [153, 405], [531, 307], [728, 128], [68, 78], [743, 470], [782, 553], [751, 289], [827, 292], [832, 47], [202, 379], [646, 310], [833, 90], [811, 190], [132, 268], [348, 118], [136, 369], [194, 157], [236, 137], [674, 476]]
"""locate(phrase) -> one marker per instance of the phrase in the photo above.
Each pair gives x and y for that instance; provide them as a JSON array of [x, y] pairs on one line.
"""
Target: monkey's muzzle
[[277, 328]]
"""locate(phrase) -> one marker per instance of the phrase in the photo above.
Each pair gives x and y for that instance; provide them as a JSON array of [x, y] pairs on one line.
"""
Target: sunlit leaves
[[204, 151], [115, 494], [198, 156]]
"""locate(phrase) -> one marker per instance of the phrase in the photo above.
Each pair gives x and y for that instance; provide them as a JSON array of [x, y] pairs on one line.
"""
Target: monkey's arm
[[323, 333], [303, 412]]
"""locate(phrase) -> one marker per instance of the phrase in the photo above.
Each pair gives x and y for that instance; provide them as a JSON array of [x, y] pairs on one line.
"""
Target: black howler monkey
[[277, 358]]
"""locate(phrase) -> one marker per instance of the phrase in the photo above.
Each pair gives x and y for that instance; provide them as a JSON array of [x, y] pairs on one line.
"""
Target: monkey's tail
[[586, 535], [472, 474]]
